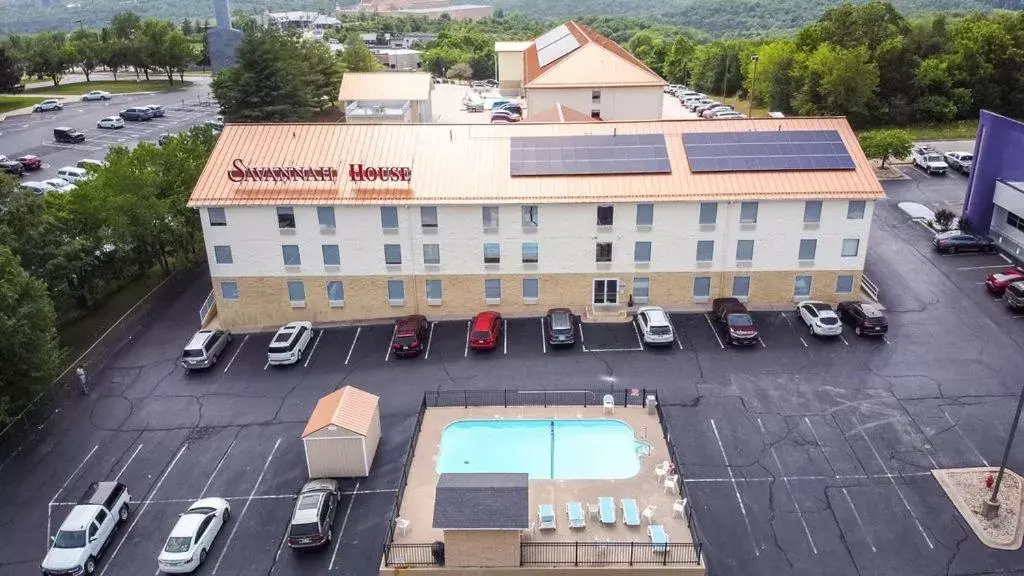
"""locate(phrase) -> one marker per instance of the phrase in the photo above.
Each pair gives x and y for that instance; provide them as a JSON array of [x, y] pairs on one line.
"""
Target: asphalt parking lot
[[799, 456], [33, 133]]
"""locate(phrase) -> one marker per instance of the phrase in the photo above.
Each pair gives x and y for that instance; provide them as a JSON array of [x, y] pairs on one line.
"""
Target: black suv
[[313, 519], [740, 328], [410, 335], [136, 114], [560, 327], [865, 318], [66, 135]]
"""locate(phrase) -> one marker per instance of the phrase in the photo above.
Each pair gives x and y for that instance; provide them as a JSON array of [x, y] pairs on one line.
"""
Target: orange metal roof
[[469, 164], [349, 408], [584, 35], [560, 113]]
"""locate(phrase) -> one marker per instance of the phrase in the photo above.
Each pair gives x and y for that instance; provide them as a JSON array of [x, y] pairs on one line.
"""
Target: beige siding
[[625, 103], [483, 548], [510, 68], [372, 439], [340, 457]]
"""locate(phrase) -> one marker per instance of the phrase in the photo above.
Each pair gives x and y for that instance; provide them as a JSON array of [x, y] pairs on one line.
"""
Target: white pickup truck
[[929, 160], [87, 530]]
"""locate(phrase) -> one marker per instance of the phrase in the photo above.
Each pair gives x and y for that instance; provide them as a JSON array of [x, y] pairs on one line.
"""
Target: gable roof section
[[349, 408], [604, 63], [482, 502], [560, 113], [384, 86]]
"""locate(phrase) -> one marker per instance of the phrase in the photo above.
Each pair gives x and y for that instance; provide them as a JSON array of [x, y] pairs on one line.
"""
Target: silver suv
[[313, 518], [204, 348]]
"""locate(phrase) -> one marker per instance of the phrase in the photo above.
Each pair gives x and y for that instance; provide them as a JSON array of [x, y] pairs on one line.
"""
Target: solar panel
[[594, 154], [766, 151], [545, 39], [556, 50]]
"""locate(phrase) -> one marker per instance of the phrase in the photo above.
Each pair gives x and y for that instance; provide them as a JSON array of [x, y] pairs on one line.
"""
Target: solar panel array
[[763, 151], [593, 154], [556, 50], [545, 39]]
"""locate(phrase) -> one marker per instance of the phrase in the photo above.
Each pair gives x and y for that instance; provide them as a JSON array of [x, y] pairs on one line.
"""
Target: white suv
[[47, 105], [820, 318], [289, 343], [87, 530], [655, 326]]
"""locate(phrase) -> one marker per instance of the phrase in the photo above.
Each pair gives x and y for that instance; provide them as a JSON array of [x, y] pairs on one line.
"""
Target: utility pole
[[753, 82], [725, 77], [990, 507]]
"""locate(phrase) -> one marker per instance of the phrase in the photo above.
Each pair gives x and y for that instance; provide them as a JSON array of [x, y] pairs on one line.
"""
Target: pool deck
[[646, 488]]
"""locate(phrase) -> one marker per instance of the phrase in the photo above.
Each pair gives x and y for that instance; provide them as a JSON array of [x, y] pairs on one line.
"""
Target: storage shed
[[341, 436]]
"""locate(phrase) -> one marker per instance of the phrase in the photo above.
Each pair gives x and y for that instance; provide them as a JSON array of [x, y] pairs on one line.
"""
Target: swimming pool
[[544, 449]]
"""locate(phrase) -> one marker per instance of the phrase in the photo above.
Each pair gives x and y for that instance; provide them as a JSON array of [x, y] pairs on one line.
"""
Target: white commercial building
[[387, 97]]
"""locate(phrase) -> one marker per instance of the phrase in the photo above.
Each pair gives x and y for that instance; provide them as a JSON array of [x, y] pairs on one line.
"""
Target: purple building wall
[[998, 155]]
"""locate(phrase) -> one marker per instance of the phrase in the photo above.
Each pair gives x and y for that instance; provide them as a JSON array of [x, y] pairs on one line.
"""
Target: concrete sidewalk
[[62, 98]]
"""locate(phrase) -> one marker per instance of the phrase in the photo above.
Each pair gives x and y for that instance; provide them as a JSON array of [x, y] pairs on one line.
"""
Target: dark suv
[[865, 318], [10, 166], [68, 135], [313, 518], [740, 328], [136, 114], [560, 327], [410, 336]]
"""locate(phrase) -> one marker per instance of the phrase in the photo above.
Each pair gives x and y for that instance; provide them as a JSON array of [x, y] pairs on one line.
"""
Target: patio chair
[[630, 512], [679, 506], [658, 537], [546, 517], [607, 506], [574, 510], [648, 513], [593, 509], [609, 403], [662, 469], [670, 483], [402, 524]]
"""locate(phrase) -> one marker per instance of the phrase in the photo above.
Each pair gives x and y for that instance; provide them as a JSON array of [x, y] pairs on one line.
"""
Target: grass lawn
[[118, 87], [957, 130], [741, 106], [8, 103]]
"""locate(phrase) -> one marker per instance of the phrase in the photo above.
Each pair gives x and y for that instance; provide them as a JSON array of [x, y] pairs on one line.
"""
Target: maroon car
[[998, 281], [31, 162], [410, 335]]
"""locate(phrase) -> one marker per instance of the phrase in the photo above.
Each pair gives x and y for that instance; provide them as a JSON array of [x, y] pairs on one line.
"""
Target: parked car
[[655, 326], [289, 343], [312, 522], [60, 185], [12, 167], [192, 536], [700, 108], [696, 103], [928, 160], [67, 135], [165, 138], [48, 106], [111, 122], [710, 111], [475, 106], [727, 114], [17, 89], [31, 162], [90, 164], [732, 315], [73, 174], [39, 188], [510, 107], [96, 95], [820, 318], [485, 331], [865, 318], [83, 536], [957, 241], [503, 116], [155, 110], [136, 114], [560, 327], [960, 161], [997, 282], [204, 348], [1015, 295], [410, 335]]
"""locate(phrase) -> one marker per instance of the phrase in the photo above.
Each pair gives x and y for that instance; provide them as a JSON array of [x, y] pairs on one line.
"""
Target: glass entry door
[[606, 291]]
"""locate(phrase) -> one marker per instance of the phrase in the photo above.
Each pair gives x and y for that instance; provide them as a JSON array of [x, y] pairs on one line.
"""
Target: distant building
[[428, 8], [223, 40], [386, 97], [312, 22], [396, 40], [401, 59]]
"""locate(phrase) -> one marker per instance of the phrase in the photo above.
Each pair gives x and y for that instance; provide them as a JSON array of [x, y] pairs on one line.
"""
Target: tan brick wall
[[646, 570], [483, 548], [263, 302]]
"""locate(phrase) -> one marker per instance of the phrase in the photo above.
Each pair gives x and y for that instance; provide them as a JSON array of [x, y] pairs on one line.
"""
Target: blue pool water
[[544, 449]]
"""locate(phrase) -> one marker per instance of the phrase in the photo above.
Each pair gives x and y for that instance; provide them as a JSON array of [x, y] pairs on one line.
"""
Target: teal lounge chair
[[659, 539], [546, 516], [576, 517], [607, 507], [630, 512]]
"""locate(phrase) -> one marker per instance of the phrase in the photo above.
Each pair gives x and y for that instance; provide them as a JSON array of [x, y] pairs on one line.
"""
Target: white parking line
[[1004, 257], [430, 338], [983, 267], [61, 489], [789, 488], [790, 322], [217, 468], [965, 439], [637, 332], [311, 352], [245, 508], [125, 467], [885, 339], [391, 343], [465, 353], [344, 521], [353, 346], [265, 366], [504, 337], [808, 477], [543, 337], [235, 355], [735, 488], [678, 341], [844, 340], [761, 342], [713, 331], [138, 515], [583, 343]]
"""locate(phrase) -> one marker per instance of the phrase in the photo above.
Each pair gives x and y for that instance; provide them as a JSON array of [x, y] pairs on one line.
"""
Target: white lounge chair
[[658, 537], [670, 483], [606, 504], [630, 512], [577, 519], [546, 517], [609, 403], [662, 469]]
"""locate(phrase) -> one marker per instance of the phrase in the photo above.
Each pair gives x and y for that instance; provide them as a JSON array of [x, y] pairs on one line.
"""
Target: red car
[[484, 331], [31, 162], [410, 336], [998, 281]]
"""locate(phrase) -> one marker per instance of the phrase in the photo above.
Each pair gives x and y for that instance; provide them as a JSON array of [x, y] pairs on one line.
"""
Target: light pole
[[725, 77], [990, 507], [753, 82]]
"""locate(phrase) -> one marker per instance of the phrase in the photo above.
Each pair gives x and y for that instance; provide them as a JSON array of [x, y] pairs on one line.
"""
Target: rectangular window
[[844, 284], [702, 286], [705, 250], [645, 214], [531, 289], [604, 252], [850, 247], [744, 250], [332, 255], [1015, 221], [708, 212], [396, 291], [296, 291], [642, 252], [492, 253], [432, 254], [222, 254], [812, 211], [531, 216], [531, 252], [285, 218], [808, 246], [434, 290], [389, 217], [335, 291], [428, 216], [641, 290], [740, 286], [217, 216], [325, 215], [605, 215], [595, 96], [290, 254], [490, 216], [748, 212], [855, 211], [229, 290], [393, 254], [802, 286], [492, 289]]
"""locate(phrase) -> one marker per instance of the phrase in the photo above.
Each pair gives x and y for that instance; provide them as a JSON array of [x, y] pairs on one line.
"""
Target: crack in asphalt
[[839, 526]]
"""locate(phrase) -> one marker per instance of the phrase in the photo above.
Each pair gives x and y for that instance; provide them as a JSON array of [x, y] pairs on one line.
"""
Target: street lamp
[[753, 82], [990, 507]]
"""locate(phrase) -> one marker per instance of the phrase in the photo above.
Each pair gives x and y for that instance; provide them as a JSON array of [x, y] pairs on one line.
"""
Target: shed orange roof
[[349, 408], [560, 113], [584, 35], [470, 164]]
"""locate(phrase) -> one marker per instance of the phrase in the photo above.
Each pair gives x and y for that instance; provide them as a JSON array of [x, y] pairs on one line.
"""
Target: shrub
[[944, 218]]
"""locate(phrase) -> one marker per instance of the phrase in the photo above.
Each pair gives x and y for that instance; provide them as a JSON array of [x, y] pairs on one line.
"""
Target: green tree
[[650, 49], [677, 61], [833, 81], [870, 25], [115, 55], [459, 71], [88, 50], [165, 48], [10, 73], [773, 84], [324, 71], [356, 57], [186, 27], [886, 144], [50, 55]]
